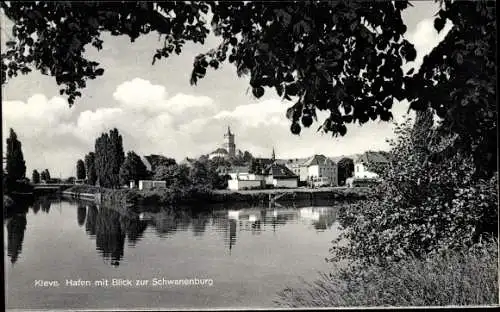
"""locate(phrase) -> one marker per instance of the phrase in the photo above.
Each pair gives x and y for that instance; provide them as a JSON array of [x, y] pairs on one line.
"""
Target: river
[[63, 254]]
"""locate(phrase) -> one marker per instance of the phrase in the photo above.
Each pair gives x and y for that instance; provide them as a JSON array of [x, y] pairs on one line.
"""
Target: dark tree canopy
[[45, 175], [35, 177], [176, 176], [15, 166], [109, 157], [80, 169], [159, 160], [457, 81], [345, 169], [90, 168], [326, 55], [343, 57], [132, 169]]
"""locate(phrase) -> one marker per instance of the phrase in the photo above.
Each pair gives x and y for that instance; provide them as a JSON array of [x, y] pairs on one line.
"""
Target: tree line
[[108, 166]]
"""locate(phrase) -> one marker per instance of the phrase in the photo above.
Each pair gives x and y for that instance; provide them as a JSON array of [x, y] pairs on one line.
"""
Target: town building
[[361, 163], [319, 170], [280, 176], [228, 149], [242, 179]]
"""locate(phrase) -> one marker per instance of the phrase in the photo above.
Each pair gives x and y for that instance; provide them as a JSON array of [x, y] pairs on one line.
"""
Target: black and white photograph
[[228, 155]]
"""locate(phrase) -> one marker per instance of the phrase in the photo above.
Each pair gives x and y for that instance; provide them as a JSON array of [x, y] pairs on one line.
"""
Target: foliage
[[241, 159], [421, 207], [159, 160], [455, 278], [70, 180], [327, 55], [132, 169], [345, 169], [344, 57], [35, 177], [90, 168], [15, 166], [109, 156], [458, 81], [175, 176], [80, 170], [45, 175]]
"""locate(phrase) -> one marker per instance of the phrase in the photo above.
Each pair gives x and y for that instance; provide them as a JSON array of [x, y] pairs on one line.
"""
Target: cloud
[[425, 38], [151, 120]]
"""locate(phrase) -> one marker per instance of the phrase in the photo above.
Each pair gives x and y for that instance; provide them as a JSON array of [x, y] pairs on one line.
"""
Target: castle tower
[[229, 143]]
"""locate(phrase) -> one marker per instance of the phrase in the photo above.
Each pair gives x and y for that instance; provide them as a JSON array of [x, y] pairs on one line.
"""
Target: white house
[[149, 184], [280, 176], [360, 164], [242, 179], [319, 169]]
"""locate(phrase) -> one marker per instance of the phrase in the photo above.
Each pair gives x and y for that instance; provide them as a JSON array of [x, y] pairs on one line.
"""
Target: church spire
[[273, 157], [228, 130]]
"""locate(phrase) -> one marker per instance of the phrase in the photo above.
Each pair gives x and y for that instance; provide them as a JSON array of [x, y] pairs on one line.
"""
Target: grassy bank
[[193, 195], [86, 189], [455, 278]]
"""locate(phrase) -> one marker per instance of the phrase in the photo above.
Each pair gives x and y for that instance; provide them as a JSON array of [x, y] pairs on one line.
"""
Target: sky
[[157, 111]]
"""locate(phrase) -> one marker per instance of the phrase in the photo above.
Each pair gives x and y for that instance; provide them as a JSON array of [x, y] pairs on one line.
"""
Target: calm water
[[250, 253]]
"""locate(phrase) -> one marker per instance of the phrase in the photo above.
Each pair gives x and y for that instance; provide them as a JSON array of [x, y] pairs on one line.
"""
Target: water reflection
[[81, 214], [16, 225], [15, 220], [112, 227], [110, 237]]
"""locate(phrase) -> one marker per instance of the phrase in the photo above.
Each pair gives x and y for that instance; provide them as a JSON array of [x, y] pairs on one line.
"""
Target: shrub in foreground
[[452, 278]]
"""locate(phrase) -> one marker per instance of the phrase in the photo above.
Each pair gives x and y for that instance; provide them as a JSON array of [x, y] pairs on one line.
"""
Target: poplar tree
[[16, 167]]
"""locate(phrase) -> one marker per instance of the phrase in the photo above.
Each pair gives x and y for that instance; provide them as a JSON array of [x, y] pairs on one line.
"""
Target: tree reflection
[[110, 238], [36, 207], [169, 220], [81, 213], [90, 222], [45, 203], [200, 223], [15, 236], [134, 229]]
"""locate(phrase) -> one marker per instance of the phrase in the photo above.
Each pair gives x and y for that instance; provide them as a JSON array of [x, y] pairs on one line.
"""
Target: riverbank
[[86, 192], [162, 197]]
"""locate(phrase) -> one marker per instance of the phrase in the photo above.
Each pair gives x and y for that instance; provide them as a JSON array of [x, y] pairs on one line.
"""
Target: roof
[[220, 151], [318, 160], [372, 157], [264, 161], [240, 169], [279, 171], [146, 162]]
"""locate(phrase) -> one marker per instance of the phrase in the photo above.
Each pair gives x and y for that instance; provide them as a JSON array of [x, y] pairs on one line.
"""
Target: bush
[[420, 207], [452, 278]]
